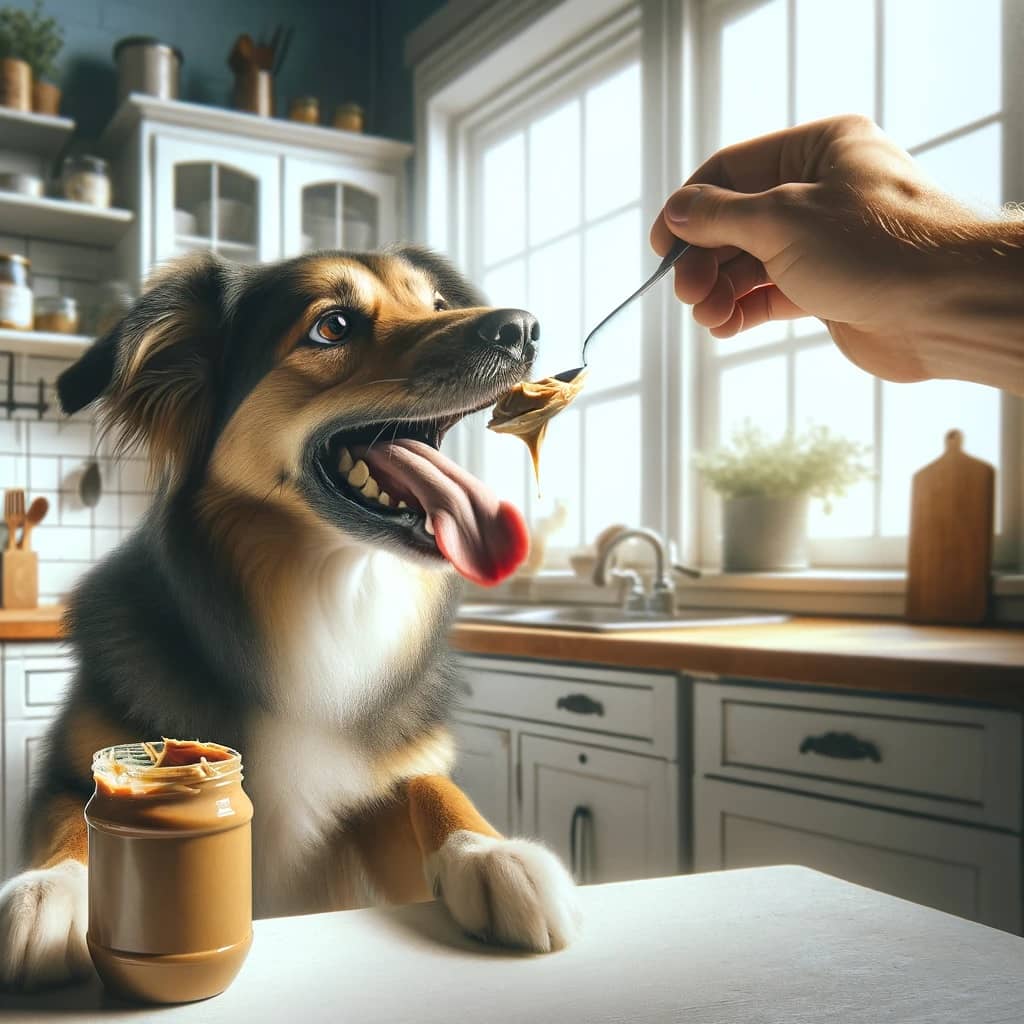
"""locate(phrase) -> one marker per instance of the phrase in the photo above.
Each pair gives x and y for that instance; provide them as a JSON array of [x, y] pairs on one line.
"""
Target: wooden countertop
[[44, 623], [940, 661]]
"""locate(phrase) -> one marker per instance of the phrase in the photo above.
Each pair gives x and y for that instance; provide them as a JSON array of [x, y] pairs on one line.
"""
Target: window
[[893, 64]]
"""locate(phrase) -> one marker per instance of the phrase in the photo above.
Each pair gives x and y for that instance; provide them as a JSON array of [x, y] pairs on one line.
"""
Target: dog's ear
[[457, 291], [155, 369]]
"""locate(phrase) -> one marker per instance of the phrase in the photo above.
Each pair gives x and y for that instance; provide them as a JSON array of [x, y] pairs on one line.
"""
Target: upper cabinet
[[252, 189]]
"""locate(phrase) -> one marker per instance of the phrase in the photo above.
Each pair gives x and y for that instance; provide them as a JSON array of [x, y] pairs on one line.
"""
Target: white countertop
[[768, 945]]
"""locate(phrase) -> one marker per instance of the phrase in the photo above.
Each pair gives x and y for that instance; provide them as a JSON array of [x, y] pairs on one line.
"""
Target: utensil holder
[[254, 92], [20, 575]]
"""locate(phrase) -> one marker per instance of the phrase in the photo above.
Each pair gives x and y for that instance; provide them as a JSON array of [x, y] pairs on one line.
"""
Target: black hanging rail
[[11, 404]]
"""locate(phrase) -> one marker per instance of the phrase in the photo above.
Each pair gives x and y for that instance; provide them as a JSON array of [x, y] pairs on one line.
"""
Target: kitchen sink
[[604, 619]]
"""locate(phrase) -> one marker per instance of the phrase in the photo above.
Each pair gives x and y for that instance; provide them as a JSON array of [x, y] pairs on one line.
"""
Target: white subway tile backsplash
[[13, 471], [104, 540], [44, 473], [59, 259], [62, 543], [57, 578], [72, 511], [134, 473], [107, 511], [12, 437], [61, 439], [133, 507]]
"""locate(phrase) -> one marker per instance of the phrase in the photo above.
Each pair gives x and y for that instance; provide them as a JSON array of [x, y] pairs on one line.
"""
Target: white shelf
[[44, 343], [193, 243], [61, 220], [39, 134]]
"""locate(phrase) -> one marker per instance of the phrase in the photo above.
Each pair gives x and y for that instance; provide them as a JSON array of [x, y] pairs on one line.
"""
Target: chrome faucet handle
[[662, 596]]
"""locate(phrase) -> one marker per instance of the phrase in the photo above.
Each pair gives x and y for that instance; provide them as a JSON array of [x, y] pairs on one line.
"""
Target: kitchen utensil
[[281, 49], [146, 65], [254, 91], [14, 515], [35, 515], [23, 184], [671, 257], [90, 487], [949, 565]]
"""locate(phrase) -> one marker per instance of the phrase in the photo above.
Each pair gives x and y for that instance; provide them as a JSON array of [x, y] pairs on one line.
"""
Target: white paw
[[510, 891], [43, 917]]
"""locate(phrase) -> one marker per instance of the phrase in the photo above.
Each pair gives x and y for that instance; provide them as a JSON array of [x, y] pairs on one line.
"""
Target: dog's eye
[[331, 329], [439, 304]]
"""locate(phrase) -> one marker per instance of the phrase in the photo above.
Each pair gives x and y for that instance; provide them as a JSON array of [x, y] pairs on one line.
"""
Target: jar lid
[[56, 302], [15, 257], [85, 162], [305, 101], [150, 41], [349, 108]]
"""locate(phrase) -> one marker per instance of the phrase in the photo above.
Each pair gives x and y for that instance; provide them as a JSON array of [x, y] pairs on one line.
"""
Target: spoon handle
[[677, 250]]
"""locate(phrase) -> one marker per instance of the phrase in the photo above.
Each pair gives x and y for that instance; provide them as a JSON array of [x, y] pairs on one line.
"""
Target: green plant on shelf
[[31, 36], [817, 463]]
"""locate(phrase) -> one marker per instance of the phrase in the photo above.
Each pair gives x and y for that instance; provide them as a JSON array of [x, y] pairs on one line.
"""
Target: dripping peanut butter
[[528, 407], [170, 869]]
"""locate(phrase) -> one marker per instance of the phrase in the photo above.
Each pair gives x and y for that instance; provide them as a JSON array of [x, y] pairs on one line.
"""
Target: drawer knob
[[843, 745], [580, 704]]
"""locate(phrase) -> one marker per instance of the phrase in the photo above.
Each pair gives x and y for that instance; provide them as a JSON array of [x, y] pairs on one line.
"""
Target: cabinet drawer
[[637, 707], [972, 872], [34, 687], [946, 760]]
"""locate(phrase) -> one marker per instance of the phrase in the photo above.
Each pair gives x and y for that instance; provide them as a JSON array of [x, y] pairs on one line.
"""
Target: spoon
[[35, 515], [90, 486], [677, 250]]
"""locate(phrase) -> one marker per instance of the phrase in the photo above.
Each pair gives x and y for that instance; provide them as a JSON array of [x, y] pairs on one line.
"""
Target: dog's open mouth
[[396, 476]]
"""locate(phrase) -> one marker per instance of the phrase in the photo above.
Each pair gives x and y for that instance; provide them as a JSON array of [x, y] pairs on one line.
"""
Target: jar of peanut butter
[[170, 869]]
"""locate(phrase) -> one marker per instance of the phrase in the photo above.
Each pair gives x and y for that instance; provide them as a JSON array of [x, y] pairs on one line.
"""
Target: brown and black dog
[[290, 590]]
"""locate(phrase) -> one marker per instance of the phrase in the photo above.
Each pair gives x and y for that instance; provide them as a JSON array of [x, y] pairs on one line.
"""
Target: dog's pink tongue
[[483, 537]]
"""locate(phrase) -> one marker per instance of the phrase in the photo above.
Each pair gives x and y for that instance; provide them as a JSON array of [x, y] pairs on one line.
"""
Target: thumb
[[710, 217]]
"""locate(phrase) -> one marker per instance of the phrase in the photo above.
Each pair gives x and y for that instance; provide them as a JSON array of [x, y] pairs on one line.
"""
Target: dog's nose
[[514, 329]]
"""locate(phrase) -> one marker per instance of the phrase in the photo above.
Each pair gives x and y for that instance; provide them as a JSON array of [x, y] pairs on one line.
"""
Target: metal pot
[[764, 534], [146, 65]]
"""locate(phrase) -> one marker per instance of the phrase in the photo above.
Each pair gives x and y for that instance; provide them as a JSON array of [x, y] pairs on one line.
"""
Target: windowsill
[[864, 593]]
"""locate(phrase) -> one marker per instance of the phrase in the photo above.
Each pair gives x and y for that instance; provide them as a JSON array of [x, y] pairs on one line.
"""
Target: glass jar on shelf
[[57, 314], [15, 292], [86, 179]]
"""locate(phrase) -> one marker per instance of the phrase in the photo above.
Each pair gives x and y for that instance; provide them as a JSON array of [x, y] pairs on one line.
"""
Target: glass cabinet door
[[325, 209], [217, 202]]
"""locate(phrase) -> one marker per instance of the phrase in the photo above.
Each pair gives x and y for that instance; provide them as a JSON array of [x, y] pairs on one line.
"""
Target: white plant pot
[[764, 534]]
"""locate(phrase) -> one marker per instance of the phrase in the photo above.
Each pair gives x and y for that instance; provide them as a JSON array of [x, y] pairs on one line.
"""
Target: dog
[[290, 590]]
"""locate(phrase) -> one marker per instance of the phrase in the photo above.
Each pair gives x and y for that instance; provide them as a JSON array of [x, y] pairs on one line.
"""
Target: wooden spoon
[[35, 515]]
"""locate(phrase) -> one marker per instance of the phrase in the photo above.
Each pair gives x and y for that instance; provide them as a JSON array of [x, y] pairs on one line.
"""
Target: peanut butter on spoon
[[527, 407]]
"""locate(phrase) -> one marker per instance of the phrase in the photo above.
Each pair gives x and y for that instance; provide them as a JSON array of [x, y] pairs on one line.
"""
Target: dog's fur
[[252, 609]]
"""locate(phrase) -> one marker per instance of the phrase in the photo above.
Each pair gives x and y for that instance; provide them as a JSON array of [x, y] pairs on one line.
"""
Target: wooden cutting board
[[949, 566]]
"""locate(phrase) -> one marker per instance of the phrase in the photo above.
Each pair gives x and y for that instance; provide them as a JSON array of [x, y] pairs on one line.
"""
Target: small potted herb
[[766, 486], [29, 44]]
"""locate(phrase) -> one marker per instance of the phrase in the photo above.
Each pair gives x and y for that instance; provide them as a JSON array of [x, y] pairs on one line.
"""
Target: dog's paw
[[43, 917], [510, 891]]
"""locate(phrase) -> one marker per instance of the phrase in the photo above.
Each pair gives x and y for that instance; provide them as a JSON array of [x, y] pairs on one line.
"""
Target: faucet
[[662, 596]]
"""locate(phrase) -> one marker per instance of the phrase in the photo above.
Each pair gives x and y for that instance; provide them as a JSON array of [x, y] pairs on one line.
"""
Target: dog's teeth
[[345, 463], [359, 474], [384, 498], [370, 488], [402, 504], [429, 527]]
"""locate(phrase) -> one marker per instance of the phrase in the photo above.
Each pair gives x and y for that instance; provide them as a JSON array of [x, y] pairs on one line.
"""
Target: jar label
[[15, 306]]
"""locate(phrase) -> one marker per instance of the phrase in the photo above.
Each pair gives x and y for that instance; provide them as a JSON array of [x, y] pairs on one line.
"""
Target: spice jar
[[86, 179], [349, 117], [170, 869], [15, 292], [57, 313], [305, 109]]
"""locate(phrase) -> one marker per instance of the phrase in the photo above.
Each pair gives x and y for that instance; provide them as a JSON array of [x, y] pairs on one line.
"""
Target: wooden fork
[[14, 514]]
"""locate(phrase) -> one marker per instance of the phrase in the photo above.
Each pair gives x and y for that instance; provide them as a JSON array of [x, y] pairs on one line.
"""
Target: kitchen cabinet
[[594, 754], [916, 798], [251, 188]]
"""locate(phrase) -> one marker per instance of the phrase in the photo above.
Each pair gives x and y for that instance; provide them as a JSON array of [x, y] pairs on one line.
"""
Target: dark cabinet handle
[[579, 845], [843, 745], [580, 704]]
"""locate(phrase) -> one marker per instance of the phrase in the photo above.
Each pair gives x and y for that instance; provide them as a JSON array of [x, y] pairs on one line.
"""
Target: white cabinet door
[[218, 198], [329, 206], [972, 872], [23, 748], [483, 771], [611, 816]]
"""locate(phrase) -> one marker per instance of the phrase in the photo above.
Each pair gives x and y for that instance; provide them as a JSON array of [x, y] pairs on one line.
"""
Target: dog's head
[[323, 386]]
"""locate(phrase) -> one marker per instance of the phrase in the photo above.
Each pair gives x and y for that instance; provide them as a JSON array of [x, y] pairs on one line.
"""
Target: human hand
[[830, 219]]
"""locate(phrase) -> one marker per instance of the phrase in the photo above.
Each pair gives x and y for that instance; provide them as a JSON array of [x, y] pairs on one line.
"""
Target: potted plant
[[29, 44], [766, 485]]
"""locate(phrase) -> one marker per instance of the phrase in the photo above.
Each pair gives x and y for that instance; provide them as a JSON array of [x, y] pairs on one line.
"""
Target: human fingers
[[695, 274], [756, 308]]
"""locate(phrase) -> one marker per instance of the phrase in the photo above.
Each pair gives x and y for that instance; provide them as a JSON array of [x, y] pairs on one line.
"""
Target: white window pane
[[505, 286], [943, 65], [560, 483], [753, 74], [916, 418], [832, 392], [833, 79], [613, 147], [504, 463], [555, 301], [753, 337], [807, 326], [555, 173], [613, 452], [504, 199], [753, 391], [970, 168], [613, 267]]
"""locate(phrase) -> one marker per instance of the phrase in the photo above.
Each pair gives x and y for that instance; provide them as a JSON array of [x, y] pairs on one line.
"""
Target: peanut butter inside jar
[[170, 869]]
